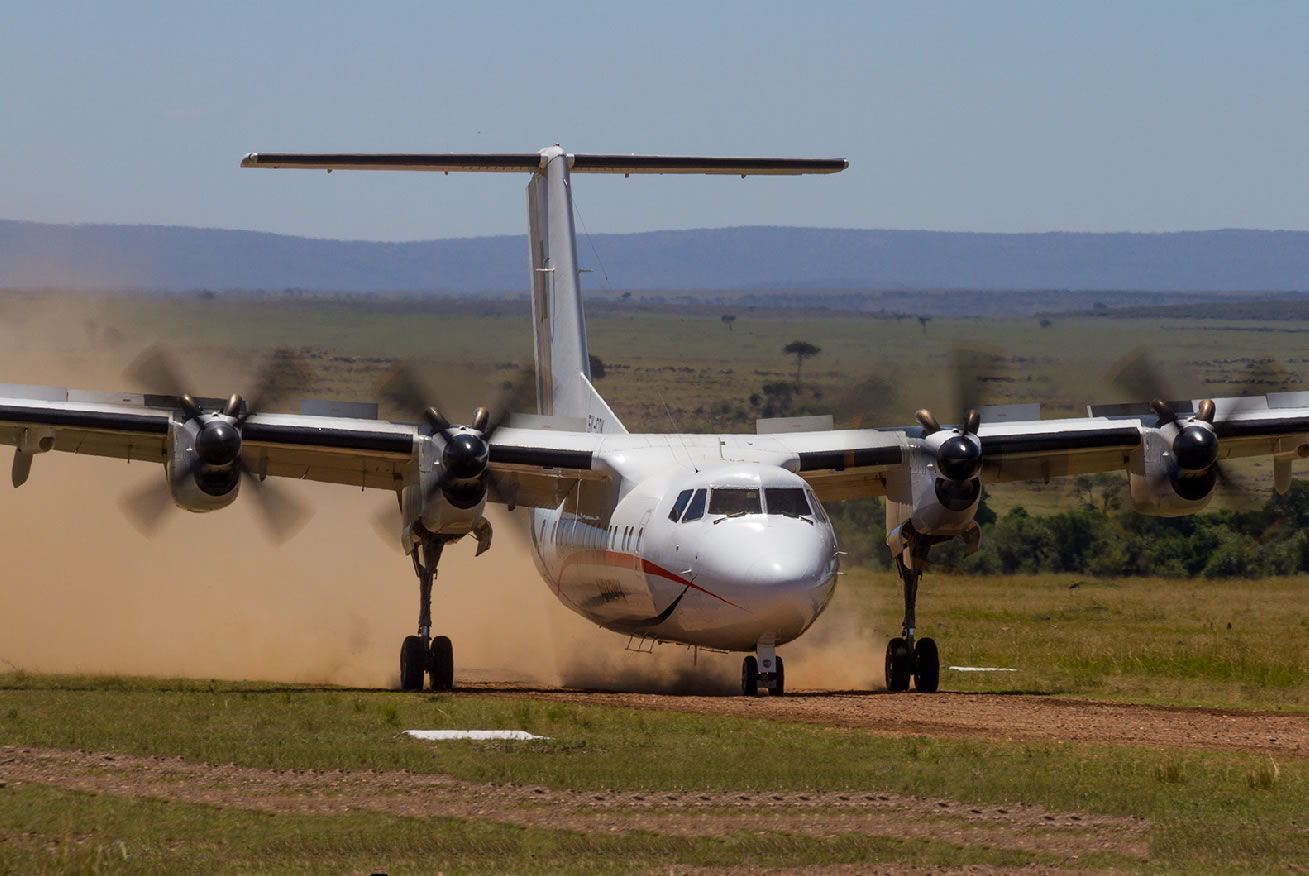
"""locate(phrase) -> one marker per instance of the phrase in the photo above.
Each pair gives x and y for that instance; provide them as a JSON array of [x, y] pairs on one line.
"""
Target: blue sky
[[1001, 116]]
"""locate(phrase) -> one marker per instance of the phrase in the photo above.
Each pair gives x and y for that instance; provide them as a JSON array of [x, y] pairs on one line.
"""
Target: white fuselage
[[686, 546]]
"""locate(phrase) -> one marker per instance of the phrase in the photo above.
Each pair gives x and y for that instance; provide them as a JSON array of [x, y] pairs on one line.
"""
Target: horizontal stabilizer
[[532, 162]]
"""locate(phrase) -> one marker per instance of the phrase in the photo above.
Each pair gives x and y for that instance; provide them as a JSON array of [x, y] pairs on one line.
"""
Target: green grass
[[47, 830], [1214, 642], [1206, 808]]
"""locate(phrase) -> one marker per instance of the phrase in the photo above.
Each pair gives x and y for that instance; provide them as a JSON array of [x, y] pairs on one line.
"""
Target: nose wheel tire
[[413, 663], [779, 680], [750, 676], [927, 666], [441, 664], [899, 665]]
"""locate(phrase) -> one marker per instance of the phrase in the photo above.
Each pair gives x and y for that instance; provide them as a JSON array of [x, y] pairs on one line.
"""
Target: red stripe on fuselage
[[636, 564]]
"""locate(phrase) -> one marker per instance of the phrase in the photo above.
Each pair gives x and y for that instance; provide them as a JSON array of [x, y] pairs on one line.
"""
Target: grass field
[[1206, 812], [1188, 811], [1227, 644]]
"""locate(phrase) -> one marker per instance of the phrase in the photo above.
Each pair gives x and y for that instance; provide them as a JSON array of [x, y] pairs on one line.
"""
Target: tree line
[[1098, 538]]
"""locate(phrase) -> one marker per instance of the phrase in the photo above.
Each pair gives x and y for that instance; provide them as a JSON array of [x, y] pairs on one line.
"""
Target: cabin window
[[695, 510], [787, 501], [735, 501], [679, 505]]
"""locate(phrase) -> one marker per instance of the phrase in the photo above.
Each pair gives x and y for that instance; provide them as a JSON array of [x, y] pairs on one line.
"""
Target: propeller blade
[[409, 393], [1136, 375], [146, 506], [972, 366], [284, 515], [156, 370], [518, 393], [388, 523], [282, 376]]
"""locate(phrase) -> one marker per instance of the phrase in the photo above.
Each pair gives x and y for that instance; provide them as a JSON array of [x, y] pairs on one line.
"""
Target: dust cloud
[[210, 597]]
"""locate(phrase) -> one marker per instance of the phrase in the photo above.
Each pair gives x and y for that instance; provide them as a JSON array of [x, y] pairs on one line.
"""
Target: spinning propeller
[[465, 476], [216, 462], [465, 451], [959, 457], [1195, 447]]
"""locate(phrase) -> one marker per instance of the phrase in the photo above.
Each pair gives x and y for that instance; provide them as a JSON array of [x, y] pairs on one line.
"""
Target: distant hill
[[747, 258]]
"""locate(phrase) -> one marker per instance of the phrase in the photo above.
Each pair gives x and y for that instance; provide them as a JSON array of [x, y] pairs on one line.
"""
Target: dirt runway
[[986, 716]]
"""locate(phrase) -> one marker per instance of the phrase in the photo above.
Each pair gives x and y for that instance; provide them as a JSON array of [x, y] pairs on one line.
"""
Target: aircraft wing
[[533, 466], [852, 463]]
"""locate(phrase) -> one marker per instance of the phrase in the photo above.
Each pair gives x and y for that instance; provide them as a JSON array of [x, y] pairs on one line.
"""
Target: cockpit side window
[[788, 501], [695, 510], [734, 500], [819, 511], [679, 505]]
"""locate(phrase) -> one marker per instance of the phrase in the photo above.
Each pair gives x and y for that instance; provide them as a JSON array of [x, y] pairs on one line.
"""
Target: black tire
[[779, 682], [413, 663], [442, 665], [899, 666], [927, 666], [750, 677]]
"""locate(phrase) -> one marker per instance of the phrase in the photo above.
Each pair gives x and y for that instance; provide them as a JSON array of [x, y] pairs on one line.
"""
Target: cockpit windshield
[[734, 501], [788, 501]]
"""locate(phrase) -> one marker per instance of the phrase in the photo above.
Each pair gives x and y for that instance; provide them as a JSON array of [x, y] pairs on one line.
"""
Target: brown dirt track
[[1023, 828], [989, 716], [1019, 827]]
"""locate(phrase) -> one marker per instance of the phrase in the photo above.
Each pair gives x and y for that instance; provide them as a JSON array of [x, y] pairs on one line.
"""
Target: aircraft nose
[[781, 573]]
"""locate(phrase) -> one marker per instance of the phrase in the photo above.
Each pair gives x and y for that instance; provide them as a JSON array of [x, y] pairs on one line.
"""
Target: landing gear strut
[[421, 654], [764, 671], [906, 657]]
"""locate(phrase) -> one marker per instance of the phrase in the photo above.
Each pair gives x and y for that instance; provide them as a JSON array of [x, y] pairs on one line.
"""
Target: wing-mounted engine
[[1174, 470], [205, 459], [933, 495], [448, 497], [204, 450]]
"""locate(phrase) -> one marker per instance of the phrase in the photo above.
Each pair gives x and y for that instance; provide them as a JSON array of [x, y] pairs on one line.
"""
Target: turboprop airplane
[[713, 541]]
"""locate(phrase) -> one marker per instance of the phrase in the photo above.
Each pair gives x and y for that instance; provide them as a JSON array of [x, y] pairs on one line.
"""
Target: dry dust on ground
[[989, 716], [1018, 827]]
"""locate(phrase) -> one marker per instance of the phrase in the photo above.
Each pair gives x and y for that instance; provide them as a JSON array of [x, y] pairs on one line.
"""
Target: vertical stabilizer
[[563, 366]]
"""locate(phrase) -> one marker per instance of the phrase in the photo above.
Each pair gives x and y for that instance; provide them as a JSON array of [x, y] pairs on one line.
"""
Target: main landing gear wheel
[[927, 666], [906, 658], [442, 664], [413, 663], [750, 676], [899, 665], [418, 658]]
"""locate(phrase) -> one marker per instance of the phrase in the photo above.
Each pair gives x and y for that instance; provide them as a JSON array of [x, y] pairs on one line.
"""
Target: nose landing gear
[[765, 671]]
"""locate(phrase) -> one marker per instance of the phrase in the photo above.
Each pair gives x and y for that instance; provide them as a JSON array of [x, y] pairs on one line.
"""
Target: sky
[[994, 117]]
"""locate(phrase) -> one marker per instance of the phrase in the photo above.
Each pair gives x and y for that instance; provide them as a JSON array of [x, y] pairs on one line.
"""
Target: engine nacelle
[[445, 504], [923, 502], [195, 486], [1161, 484]]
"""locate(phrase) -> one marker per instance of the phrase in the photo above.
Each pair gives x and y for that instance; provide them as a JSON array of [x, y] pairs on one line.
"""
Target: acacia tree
[[801, 350], [728, 318]]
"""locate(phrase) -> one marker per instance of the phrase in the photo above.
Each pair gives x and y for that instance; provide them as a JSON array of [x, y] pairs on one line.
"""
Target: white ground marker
[[442, 735]]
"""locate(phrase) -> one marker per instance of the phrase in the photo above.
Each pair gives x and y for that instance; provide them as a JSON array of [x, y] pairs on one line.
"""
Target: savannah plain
[[207, 702]]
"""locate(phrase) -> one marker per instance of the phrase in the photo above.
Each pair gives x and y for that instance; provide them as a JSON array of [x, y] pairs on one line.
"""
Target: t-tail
[[563, 368]]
